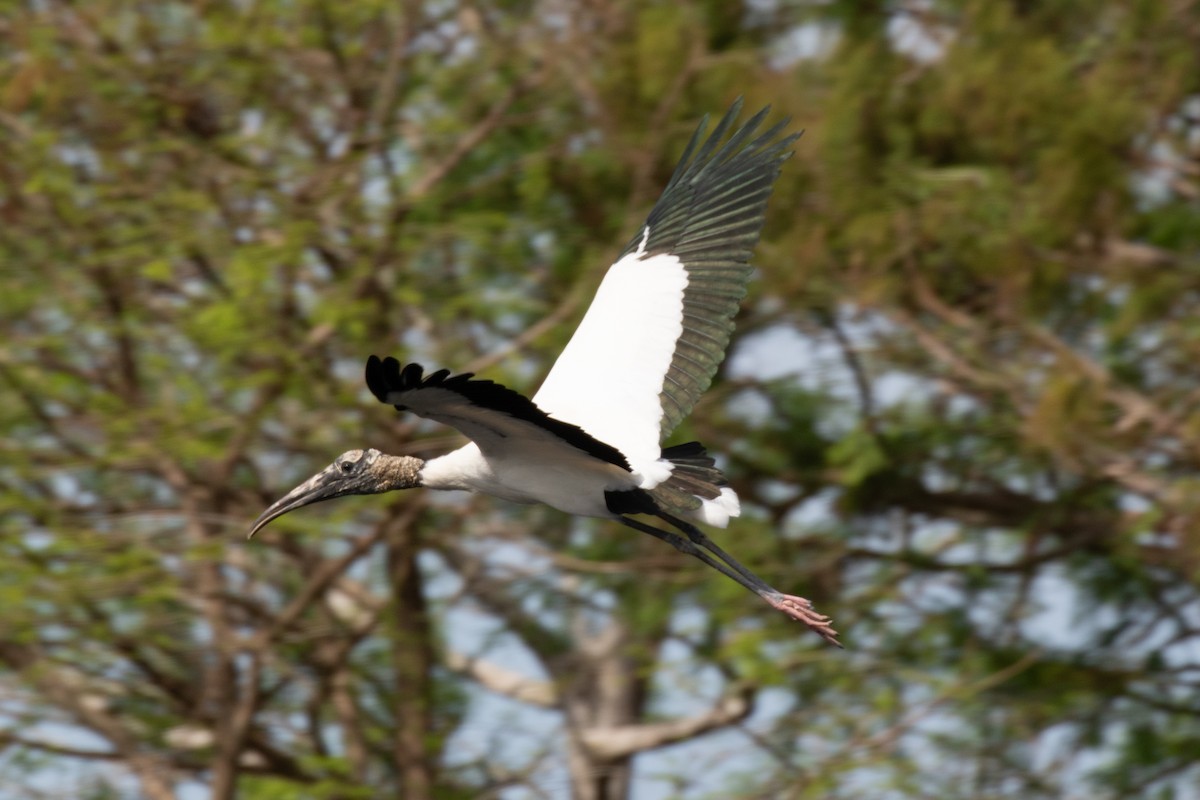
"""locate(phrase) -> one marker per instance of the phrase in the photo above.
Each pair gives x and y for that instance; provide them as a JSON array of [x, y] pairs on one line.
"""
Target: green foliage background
[[972, 434]]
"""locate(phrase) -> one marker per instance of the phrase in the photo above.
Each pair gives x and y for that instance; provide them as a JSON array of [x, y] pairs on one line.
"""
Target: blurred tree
[[960, 415]]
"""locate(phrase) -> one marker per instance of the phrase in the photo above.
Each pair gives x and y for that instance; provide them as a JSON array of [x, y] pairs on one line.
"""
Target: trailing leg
[[795, 607], [684, 546]]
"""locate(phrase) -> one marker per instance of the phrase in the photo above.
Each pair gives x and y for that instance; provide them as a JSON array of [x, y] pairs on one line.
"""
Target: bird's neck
[[464, 468], [398, 472]]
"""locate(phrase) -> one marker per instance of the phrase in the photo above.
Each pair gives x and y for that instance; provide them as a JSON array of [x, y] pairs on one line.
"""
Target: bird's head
[[353, 472]]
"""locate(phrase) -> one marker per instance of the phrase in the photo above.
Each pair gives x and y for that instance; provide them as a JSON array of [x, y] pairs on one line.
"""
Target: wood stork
[[589, 442]]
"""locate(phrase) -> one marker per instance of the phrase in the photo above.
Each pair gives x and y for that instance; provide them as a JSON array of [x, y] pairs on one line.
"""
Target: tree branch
[[502, 681], [627, 740]]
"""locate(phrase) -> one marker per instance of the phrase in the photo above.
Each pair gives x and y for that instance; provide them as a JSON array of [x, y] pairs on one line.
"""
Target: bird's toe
[[801, 610]]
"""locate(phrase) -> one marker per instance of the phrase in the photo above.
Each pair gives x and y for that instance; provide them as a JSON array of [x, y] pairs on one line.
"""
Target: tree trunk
[[413, 655], [605, 691]]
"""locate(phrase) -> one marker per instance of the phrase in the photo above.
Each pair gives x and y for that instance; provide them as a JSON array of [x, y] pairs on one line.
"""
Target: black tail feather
[[694, 476]]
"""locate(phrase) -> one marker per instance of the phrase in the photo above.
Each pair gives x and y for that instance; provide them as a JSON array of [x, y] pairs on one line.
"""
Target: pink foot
[[801, 610]]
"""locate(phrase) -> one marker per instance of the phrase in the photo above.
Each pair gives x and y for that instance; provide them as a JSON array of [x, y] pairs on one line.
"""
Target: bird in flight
[[590, 441]]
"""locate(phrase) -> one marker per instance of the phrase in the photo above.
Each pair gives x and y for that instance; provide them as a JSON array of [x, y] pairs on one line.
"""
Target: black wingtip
[[383, 376], [374, 376]]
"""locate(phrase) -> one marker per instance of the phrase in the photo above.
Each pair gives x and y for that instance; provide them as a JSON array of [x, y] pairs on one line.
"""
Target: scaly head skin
[[353, 472]]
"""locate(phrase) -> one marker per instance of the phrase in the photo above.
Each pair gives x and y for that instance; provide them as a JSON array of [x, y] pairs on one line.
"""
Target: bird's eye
[[346, 467]]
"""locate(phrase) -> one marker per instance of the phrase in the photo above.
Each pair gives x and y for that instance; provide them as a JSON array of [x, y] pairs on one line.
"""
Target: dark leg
[[684, 546], [698, 537], [795, 607]]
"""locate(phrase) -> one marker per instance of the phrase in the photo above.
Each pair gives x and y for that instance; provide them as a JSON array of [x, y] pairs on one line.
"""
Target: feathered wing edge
[[710, 217], [388, 381]]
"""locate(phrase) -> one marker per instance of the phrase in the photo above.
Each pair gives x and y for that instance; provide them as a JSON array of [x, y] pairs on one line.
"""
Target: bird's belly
[[576, 489], [559, 476]]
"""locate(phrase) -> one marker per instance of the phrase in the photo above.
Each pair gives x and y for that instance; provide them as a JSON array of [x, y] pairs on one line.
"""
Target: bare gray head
[[353, 472]]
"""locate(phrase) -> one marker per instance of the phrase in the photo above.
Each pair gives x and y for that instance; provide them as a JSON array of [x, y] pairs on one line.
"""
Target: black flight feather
[[385, 376]]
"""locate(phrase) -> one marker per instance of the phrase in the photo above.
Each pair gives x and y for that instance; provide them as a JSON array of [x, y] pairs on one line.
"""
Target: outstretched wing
[[485, 412], [652, 339]]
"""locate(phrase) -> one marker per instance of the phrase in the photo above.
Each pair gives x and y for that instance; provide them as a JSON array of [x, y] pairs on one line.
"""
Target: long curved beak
[[325, 485]]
